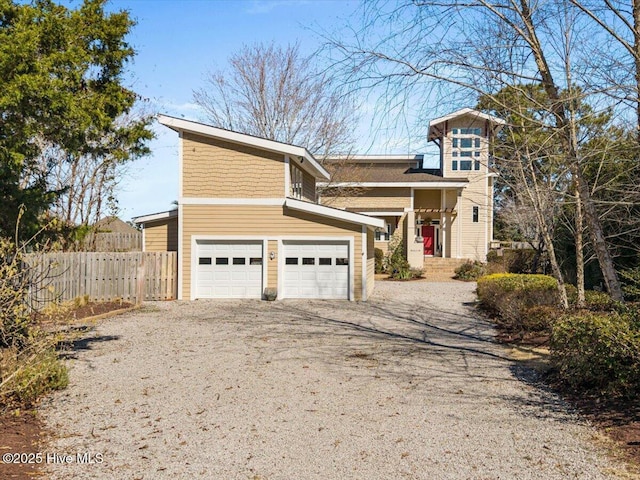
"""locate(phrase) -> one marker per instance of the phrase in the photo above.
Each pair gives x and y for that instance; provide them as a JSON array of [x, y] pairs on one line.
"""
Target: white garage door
[[230, 269], [316, 270]]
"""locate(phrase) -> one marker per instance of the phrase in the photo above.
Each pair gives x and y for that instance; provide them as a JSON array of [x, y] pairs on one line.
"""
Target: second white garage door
[[228, 269], [316, 270]]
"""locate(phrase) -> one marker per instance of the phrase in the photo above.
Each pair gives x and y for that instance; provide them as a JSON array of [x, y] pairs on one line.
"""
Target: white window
[[296, 182], [465, 142]]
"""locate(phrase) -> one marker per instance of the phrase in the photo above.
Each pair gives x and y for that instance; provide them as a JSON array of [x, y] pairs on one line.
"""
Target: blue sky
[[177, 42]]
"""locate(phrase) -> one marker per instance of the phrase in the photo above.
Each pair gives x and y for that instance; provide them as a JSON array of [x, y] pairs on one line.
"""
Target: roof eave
[[461, 184], [335, 213], [180, 125], [154, 217]]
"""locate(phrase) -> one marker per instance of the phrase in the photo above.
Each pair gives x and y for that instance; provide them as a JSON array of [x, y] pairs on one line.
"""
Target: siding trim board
[[364, 262]]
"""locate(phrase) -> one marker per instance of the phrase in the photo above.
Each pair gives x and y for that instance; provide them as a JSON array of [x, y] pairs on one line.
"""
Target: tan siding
[[214, 168], [451, 246], [427, 199], [263, 221], [308, 187], [371, 263], [272, 265], [382, 198], [384, 246], [473, 243], [161, 236]]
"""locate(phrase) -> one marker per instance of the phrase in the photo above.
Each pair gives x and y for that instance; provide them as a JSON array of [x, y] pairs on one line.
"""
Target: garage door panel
[[307, 276], [231, 273]]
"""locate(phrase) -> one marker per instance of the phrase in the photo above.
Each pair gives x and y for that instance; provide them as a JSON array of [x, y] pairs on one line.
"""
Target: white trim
[[460, 220], [180, 250], [227, 238], [144, 247], [180, 165], [231, 201], [413, 201], [382, 213], [287, 176], [443, 224], [466, 111], [373, 158], [333, 213], [178, 124], [363, 281], [297, 238], [486, 218], [422, 185], [153, 217]]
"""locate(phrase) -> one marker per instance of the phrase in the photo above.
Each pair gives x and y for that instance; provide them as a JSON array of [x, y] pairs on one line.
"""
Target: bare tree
[[278, 94]]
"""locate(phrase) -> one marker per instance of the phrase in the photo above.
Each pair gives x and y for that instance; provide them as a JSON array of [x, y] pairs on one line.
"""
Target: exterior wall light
[[272, 255]]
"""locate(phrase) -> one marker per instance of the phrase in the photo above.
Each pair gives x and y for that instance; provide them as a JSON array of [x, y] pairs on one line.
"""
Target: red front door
[[428, 234]]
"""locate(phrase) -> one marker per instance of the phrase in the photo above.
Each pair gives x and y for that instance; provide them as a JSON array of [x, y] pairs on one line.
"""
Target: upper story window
[[296, 182], [465, 142]]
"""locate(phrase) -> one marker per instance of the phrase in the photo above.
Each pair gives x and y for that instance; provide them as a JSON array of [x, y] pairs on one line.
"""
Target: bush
[[29, 365], [379, 254], [509, 296], [539, 319], [14, 315], [631, 284], [594, 300], [25, 378], [470, 271], [598, 352]]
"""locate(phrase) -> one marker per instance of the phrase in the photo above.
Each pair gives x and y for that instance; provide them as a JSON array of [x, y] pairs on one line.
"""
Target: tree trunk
[[581, 302]]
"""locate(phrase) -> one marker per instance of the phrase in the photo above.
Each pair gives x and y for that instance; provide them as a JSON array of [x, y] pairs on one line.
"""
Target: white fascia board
[[232, 201], [396, 213], [373, 158], [156, 216], [467, 111], [333, 213], [181, 125], [422, 185]]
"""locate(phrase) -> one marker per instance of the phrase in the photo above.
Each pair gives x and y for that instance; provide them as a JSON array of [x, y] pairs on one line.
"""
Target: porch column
[[415, 250], [444, 223]]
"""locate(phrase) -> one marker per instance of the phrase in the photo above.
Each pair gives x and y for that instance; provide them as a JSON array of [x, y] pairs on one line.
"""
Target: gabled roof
[[434, 132], [308, 162]]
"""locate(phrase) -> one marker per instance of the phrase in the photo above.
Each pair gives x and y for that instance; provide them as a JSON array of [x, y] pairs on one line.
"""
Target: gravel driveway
[[408, 385]]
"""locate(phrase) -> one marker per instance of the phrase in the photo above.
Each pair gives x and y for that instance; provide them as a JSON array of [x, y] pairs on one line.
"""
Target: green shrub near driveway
[[509, 296], [470, 271], [379, 260], [598, 352]]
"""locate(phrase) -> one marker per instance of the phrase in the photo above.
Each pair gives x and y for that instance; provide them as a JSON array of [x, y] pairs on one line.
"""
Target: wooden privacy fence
[[102, 276]]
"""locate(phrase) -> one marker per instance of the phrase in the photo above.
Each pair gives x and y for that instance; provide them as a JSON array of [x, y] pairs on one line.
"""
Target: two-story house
[[437, 212], [249, 218], [247, 222]]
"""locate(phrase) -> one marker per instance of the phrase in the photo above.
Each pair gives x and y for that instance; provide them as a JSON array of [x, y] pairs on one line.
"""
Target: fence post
[[141, 280]]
